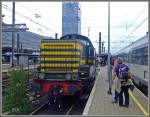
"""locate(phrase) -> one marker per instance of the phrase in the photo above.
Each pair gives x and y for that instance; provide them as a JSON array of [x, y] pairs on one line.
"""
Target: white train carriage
[[136, 56]]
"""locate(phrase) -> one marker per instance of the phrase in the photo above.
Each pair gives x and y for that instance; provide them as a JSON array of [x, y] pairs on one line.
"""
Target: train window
[[130, 57], [140, 56]]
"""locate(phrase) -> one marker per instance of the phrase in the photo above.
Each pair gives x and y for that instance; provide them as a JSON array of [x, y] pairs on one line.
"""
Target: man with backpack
[[123, 73]]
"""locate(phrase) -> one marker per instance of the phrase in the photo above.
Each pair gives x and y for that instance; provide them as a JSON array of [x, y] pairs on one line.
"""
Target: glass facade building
[[71, 18]]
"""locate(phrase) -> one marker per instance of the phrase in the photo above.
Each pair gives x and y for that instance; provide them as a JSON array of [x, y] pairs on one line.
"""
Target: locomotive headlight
[[41, 76], [68, 76], [82, 73], [74, 76]]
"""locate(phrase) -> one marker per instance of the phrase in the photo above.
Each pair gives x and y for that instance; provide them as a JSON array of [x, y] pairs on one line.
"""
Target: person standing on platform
[[124, 75], [115, 88]]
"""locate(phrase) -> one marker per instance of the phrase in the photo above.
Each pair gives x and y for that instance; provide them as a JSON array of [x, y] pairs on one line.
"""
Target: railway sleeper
[[55, 101]]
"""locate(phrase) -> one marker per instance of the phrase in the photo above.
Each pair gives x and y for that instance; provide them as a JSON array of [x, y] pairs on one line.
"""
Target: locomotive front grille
[[60, 57]]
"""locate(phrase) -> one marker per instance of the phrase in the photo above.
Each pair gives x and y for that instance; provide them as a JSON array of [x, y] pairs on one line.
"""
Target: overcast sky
[[129, 20]]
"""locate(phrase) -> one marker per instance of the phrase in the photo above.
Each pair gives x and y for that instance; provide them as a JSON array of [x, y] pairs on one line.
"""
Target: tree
[[16, 101]]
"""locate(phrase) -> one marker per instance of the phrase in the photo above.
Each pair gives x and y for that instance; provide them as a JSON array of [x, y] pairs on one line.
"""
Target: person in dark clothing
[[124, 82], [124, 90]]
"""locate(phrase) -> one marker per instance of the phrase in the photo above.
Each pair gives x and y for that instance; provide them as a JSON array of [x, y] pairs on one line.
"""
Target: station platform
[[100, 102]]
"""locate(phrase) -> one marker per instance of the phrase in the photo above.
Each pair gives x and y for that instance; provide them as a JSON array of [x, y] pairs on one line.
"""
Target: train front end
[[59, 63]]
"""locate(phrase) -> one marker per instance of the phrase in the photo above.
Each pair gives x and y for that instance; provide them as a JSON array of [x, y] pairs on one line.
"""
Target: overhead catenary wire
[[133, 22], [138, 16], [26, 17], [26, 8], [35, 13], [86, 26], [116, 42], [131, 25], [137, 26], [84, 21]]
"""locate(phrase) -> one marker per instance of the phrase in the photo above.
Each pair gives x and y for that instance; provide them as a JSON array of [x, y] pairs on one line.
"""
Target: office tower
[[71, 23]]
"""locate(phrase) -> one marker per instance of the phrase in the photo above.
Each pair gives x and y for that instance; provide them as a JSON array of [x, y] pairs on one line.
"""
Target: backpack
[[123, 72]]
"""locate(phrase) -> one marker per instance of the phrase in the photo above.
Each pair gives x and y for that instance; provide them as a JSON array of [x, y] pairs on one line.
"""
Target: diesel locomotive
[[67, 65]]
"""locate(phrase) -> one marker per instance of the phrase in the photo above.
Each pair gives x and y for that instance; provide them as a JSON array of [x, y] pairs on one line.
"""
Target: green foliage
[[16, 101]]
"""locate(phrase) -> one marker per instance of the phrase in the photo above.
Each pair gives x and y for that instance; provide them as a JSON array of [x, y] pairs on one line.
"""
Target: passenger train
[[136, 56], [67, 65]]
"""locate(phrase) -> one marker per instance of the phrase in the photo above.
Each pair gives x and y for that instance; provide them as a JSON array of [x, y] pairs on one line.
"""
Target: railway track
[[141, 90], [46, 109], [6, 81], [39, 108], [70, 105], [5, 85], [78, 107], [6, 69], [138, 90]]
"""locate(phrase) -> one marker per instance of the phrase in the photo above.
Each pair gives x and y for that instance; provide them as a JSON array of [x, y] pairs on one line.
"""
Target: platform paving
[[100, 103]]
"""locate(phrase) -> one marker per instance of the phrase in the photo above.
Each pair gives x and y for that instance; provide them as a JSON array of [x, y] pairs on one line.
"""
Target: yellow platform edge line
[[138, 104]]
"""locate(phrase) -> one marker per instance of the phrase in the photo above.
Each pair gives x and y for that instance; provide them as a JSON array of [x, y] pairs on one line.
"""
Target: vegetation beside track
[[15, 100]]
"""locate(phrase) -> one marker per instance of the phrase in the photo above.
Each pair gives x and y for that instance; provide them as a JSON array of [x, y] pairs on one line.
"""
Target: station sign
[[14, 28]]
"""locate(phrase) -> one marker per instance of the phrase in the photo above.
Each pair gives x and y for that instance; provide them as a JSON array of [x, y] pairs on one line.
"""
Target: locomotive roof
[[77, 36]]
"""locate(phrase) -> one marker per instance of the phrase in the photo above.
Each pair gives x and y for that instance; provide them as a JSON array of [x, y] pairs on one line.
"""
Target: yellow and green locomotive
[[66, 65]]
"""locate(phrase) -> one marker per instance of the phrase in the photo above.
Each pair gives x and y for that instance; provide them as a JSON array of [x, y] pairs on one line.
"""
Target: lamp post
[[109, 69], [13, 33], [100, 43], [28, 69]]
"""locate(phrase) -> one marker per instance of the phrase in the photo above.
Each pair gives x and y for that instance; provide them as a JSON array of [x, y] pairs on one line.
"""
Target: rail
[[138, 103], [5, 74], [8, 68], [39, 108]]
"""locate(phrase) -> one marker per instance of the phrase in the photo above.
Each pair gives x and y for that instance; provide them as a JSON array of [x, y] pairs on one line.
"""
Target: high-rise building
[[71, 18]]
